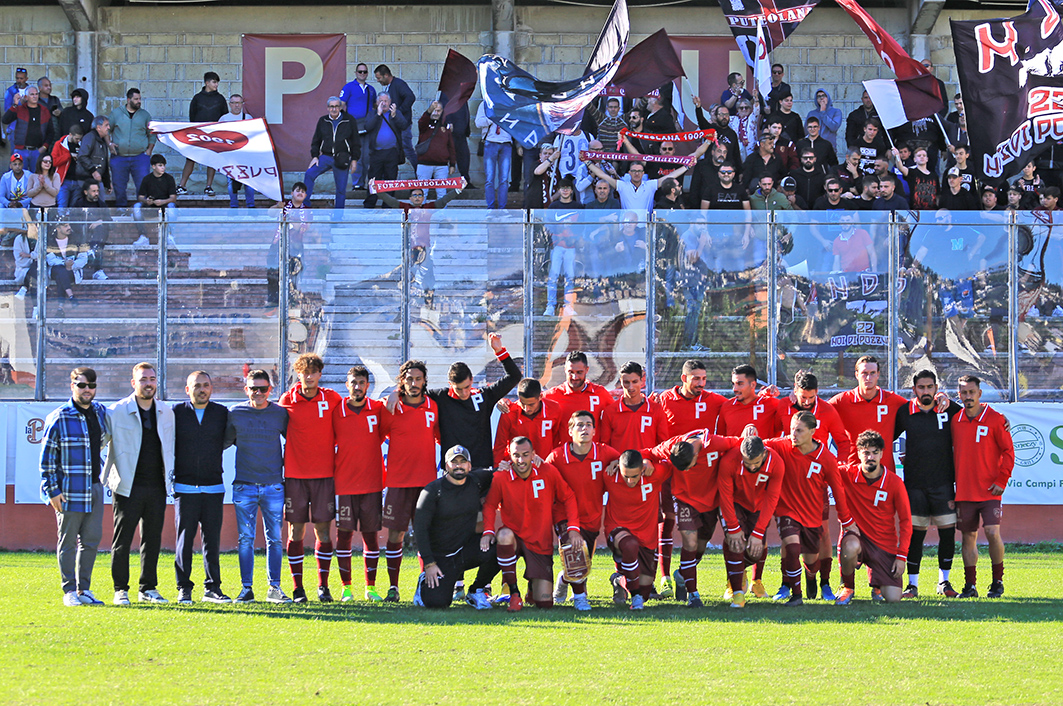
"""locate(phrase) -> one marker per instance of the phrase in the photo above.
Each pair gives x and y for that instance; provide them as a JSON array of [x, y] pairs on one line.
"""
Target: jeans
[[248, 498], [138, 215], [79, 538], [68, 192], [146, 508], [324, 164], [234, 197], [433, 171], [560, 258], [139, 165], [193, 511], [497, 159]]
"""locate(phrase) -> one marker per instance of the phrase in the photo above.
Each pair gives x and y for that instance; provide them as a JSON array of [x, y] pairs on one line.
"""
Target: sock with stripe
[[791, 561], [666, 545], [371, 556], [344, 541], [507, 563], [323, 554], [295, 562], [629, 562], [736, 567], [758, 570], [393, 553]]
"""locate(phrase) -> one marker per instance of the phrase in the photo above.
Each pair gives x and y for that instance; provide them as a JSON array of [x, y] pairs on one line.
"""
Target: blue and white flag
[[529, 109]]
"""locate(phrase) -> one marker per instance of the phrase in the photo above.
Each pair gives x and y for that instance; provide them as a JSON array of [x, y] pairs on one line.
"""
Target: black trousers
[[454, 568], [192, 511], [383, 165], [144, 508], [462, 156]]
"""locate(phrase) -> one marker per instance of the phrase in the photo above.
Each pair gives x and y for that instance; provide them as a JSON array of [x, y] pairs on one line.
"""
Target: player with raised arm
[[533, 417], [413, 432], [523, 495], [689, 407], [358, 425], [309, 466], [751, 478], [575, 393], [879, 502], [985, 458], [810, 468], [929, 477], [582, 462], [829, 429]]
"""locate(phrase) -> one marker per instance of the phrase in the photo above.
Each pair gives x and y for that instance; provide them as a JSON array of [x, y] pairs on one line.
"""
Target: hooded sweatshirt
[[830, 121]]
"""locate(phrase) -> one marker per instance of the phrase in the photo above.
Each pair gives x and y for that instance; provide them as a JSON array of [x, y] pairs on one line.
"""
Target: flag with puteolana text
[[778, 17], [1011, 78]]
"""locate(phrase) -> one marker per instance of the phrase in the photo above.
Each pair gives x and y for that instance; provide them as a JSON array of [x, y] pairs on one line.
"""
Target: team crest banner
[[529, 109], [1011, 77]]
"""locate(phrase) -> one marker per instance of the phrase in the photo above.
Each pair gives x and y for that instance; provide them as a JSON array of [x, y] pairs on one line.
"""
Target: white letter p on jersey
[[596, 468], [880, 496], [647, 490], [980, 432], [647, 422], [700, 407], [537, 485], [429, 418], [813, 468], [883, 410], [322, 407], [371, 421]]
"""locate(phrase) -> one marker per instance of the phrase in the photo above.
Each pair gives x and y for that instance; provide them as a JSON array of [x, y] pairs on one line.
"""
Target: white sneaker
[[99, 274], [89, 598], [71, 600], [560, 590], [141, 242], [478, 600], [581, 602], [121, 597], [21, 293], [151, 596]]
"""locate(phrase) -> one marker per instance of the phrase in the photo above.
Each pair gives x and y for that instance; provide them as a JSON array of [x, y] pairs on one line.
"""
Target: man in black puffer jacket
[[207, 106], [336, 146]]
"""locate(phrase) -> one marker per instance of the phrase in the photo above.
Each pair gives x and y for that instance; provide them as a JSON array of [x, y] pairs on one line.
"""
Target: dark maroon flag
[[649, 65], [457, 82]]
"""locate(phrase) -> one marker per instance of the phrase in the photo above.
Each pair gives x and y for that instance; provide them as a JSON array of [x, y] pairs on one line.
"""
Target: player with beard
[[358, 425], [413, 431], [523, 494], [309, 467], [689, 408], [929, 477], [810, 468], [879, 504], [533, 417], [575, 393], [582, 463]]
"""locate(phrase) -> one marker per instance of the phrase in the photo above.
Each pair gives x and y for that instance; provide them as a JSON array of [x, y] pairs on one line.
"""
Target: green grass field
[[928, 651]]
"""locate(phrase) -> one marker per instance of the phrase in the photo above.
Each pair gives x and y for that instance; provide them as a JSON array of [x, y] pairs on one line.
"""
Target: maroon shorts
[[826, 504], [647, 556], [360, 512], [969, 513], [809, 536], [590, 537], [309, 500], [536, 566], [667, 505], [688, 519], [400, 504], [879, 561], [747, 520]]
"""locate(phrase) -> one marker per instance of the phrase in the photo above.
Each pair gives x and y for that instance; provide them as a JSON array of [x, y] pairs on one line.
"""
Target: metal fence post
[[529, 293], [652, 234], [160, 323], [1013, 309], [404, 305], [284, 283], [42, 301], [773, 300], [893, 311]]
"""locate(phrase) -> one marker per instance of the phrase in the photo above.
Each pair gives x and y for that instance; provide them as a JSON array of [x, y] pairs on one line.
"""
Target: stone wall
[[41, 40]]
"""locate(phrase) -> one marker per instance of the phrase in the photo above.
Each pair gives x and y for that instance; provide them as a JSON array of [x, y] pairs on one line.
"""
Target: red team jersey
[[586, 477], [544, 430], [310, 449], [359, 459], [636, 509], [983, 454], [690, 414], [527, 505], [859, 415], [762, 412], [829, 424], [624, 428], [756, 492], [592, 398], [696, 486], [412, 436], [878, 508], [807, 478]]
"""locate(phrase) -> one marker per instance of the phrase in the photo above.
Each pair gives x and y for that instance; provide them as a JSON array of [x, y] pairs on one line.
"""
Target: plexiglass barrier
[[228, 291]]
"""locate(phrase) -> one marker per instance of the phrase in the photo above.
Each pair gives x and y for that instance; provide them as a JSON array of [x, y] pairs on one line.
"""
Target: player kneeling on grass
[[631, 524], [751, 478], [524, 491], [879, 502], [445, 525]]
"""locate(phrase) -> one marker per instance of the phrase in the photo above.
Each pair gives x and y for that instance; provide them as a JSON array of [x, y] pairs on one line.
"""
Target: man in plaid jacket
[[74, 435]]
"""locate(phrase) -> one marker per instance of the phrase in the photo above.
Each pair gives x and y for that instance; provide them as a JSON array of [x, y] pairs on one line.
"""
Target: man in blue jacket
[[403, 98], [70, 464]]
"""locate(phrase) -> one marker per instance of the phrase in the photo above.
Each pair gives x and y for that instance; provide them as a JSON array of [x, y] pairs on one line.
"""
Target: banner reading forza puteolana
[[1037, 433]]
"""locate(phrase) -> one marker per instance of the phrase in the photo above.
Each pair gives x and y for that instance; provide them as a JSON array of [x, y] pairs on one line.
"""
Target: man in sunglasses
[[359, 99], [70, 465]]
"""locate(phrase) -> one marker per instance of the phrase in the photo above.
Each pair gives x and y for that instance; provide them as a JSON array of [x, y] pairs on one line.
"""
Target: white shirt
[[492, 133], [640, 199]]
